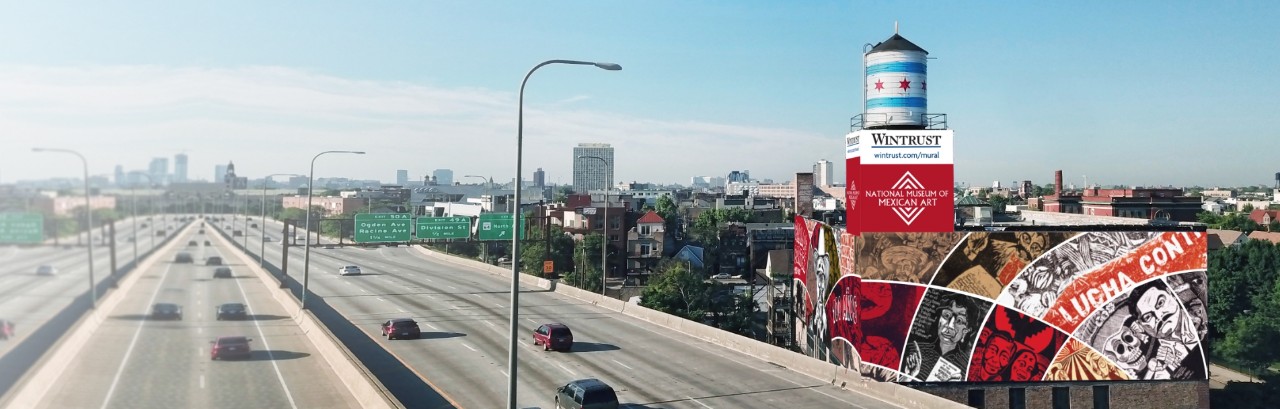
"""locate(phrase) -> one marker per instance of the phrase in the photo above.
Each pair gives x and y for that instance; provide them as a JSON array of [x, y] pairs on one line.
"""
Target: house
[[1219, 238], [1264, 217], [644, 243], [1273, 237], [692, 255]]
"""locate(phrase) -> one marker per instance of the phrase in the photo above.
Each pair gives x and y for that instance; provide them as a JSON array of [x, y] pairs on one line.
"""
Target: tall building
[[180, 168], [159, 169], [444, 177], [589, 173], [219, 173], [539, 178], [822, 173], [402, 177], [119, 179]]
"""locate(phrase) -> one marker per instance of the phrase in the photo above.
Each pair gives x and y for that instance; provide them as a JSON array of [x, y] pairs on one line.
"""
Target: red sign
[[904, 181], [852, 182]]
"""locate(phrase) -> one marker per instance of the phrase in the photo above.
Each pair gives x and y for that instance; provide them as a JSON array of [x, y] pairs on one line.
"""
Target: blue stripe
[[897, 67], [906, 102]]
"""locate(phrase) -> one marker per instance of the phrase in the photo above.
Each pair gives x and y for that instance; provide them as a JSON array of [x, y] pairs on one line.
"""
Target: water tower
[[895, 87]]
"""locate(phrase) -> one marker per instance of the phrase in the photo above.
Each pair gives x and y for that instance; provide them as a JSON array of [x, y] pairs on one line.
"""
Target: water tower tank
[[896, 84]]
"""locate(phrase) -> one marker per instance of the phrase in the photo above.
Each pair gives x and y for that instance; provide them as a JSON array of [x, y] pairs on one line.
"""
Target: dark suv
[[213, 261], [586, 394], [231, 347], [400, 328], [553, 336], [183, 257], [231, 311], [222, 272], [166, 311]]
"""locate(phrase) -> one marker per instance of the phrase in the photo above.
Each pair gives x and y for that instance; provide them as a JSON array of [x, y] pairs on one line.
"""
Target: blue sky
[[1137, 93]]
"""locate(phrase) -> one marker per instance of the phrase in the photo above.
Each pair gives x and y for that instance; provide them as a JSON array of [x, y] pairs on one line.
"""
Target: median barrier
[[355, 376]]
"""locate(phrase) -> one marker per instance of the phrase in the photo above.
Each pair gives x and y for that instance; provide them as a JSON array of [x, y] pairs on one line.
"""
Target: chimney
[[1057, 183]]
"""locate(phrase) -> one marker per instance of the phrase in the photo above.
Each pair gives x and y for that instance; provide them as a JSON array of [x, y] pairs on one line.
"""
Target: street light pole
[[604, 244], [262, 250], [306, 258], [515, 225], [88, 217]]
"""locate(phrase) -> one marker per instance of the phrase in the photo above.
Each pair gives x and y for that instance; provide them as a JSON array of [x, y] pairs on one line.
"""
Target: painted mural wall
[[1003, 306]]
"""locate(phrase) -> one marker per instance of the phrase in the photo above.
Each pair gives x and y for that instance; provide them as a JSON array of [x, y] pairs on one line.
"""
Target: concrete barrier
[[359, 381]]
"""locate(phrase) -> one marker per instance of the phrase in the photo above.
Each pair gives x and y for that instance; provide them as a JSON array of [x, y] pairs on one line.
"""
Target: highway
[[137, 362], [463, 350]]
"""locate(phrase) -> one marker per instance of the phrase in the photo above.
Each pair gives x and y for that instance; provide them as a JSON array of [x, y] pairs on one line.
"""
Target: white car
[[349, 271], [721, 276], [46, 270]]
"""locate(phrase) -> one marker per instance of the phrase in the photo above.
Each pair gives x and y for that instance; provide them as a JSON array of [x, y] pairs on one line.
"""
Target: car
[[166, 311], [237, 233], [183, 257], [201, 231], [192, 243], [46, 270], [230, 347], [231, 311], [253, 225], [555, 336], [587, 393], [213, 261], [401, 328], [142, 226], [208, 243], [268, 238], [721, 276], [222, 272], [160, 233], [349, 271], [130, 238]]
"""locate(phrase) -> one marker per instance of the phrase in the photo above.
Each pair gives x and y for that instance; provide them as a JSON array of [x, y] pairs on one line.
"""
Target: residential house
[[1273, 237], [1219, 238], [693, 255], [644, 244]]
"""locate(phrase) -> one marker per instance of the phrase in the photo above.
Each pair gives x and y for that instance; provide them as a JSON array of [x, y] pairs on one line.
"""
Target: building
[[1225, 238], [180, 168], [823, 173], [732, 257], [781, 313], [582, 215], [1167, 204], [589, 173], [66, 205], [333, 205], [539, 178], [402, 177], [442, 177], [1264, 217], [1273, 237], [645, 244], [119, 177], [1219, 193], [159, 170], [220, 171]]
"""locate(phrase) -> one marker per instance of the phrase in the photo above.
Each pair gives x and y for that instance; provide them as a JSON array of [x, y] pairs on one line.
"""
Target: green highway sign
[[382, 227], [455, 227], [496, 226], [21, 228]]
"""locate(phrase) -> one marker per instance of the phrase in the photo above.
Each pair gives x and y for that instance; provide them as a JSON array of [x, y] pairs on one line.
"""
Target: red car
[[230, 347], [553, 336], [401, 328]]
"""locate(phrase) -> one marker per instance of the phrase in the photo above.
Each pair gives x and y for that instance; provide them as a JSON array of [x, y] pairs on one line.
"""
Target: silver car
[[349, 271], [46, 270]]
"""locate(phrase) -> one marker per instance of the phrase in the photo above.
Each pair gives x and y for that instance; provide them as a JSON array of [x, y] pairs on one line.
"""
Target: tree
[[998, 203], [1251, 342], [1248, 208], [669, 212], [562, 193], [535, 248], [677, 291]]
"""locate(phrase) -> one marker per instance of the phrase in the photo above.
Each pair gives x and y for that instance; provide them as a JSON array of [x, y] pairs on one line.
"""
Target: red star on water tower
[[879, 85], [904, 84]]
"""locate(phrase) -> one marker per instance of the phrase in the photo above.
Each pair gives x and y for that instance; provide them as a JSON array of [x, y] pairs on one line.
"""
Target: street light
[[306, 258], [515, 225], [88, 217], [133, 193], [484, 246], [262, 251], [604, 253]]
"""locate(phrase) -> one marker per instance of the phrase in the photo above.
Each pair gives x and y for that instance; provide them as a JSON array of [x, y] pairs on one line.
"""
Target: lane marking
[[433, 327], [469, 347], [267, 346], [534, 322], [566, 370], [477, 295], [696, 401], [623, 365], [115, 381], [382, 299], [201, 381], [488, 323], [497, 305], [401, 309]]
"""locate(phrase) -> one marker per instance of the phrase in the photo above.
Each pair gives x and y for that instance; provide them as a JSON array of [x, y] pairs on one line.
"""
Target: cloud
[[273, 119]]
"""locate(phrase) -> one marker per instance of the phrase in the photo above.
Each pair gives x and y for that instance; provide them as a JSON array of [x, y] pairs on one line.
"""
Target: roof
[[651, 217], [591, 384], [780, 263], [1272, 237], [1219, 238], [967, 200], [897, 43], [694, 251], [1256, 215]]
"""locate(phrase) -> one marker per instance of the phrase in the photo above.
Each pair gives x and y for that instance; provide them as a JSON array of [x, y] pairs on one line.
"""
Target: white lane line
[[382, 299], [534, 322], [497, 305], [504, 373], [401, 310], [469, 347], [566, 370], [428, 279], [477, 295], [488, 323], [134, 342], [433, 327], [267, 346], [201, 381], [453, 288], [199, 330], [199, 351], [623, 365], [700, 403]]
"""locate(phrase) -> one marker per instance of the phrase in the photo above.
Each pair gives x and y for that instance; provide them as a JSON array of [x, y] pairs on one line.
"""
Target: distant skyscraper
[[539, 178], [119, 179], [444, 177], [219, 173], [822, 173], [180, 167], [159, 170], [402, 177], [589, 173]]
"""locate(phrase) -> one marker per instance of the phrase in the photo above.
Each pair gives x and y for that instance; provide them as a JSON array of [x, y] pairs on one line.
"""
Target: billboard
[[899, 180], [1010, 306]]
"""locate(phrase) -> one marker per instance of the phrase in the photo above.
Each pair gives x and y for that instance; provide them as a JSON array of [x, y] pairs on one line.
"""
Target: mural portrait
[[823, 271], [1014, 347], [942, 336], [905, 257], [983, 263], [1148, 334], [885, 312], [1078, 362], [844, 326]]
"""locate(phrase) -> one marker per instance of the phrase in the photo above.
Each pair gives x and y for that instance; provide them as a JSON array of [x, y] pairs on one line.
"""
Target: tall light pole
[[604, 244], [484, 246], [88, 217], [262, 250], [306, 258], [515, 225]]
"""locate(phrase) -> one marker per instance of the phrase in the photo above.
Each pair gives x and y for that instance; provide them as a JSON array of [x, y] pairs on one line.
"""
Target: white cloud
[[272, 119]]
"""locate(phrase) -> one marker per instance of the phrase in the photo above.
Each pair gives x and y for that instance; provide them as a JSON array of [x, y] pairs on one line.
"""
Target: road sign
[[548, 266], [496, 226], [21, 228], [382, 227], [456, 227]]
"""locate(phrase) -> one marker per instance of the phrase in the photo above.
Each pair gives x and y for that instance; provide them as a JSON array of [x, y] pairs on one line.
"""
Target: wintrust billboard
[[852, 171], [904, 180]]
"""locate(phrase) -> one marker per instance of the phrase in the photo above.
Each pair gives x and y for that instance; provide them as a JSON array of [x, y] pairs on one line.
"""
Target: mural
[[1003, 306]]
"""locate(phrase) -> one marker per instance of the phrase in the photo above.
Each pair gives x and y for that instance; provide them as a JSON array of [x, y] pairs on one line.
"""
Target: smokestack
[[1057, 183]]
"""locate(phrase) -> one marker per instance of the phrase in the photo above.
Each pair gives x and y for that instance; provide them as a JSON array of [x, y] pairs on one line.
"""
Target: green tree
[[998, 203], [1251, 342], [535, 248], [677, 291], [562, 193], [1248, 207]]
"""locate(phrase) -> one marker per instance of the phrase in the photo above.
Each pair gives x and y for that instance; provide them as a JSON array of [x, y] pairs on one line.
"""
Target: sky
[[1121, 93]]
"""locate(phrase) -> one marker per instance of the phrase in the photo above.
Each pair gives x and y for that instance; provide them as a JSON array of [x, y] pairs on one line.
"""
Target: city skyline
[[1023, 90]]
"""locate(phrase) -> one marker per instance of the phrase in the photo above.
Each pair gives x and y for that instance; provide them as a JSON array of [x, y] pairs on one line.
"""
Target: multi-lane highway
[[463, 350], [136, 361]]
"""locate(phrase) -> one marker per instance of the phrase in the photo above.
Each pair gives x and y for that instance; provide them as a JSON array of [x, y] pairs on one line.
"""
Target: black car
[[401, 328], [207, 243], [192, 243], [201, 231], [183, 257], [586, 394], [222, 272], [213, 261], [232, 311], [166, 311]]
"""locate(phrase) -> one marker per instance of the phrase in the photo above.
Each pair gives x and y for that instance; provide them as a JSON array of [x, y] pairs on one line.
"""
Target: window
[[1017, 398], [644, 229], [977, 398], [645, 249], [1101, 397], [1061, 397]]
